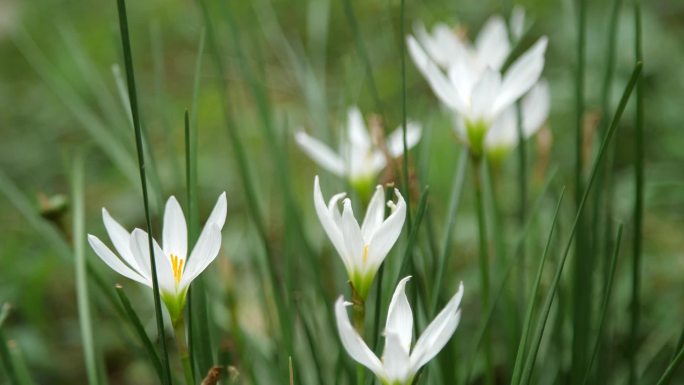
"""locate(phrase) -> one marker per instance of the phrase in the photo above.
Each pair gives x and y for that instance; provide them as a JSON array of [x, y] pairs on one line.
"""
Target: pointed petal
[[330, 225], [439, 83], [386, 235], [320, 153], [204, 252], [517, 22], [374, 214], [535, 108], [442, 46], [353, 343], [175, 232], [113, 262], [521, 76], [492, 43], [357, 131], [400, 317], [396, 359], [395, 142], [140, 248], [120, 238], [219, 212], [438, 333], [351, 232], [484, 93], [463, 75]]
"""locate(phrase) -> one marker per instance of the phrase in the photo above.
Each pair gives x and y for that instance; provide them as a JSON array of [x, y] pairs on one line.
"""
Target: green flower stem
[[358, 318], [484, 262], [183, 352]]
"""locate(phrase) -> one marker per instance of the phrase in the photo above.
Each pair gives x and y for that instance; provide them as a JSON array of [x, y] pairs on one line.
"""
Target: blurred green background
[[58, 94]]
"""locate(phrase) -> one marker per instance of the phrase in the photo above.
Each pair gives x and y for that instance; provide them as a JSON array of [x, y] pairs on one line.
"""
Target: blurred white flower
[[362, 248], [173, 273], [400, 363], [503, 135], [359, 159], [473, 85]]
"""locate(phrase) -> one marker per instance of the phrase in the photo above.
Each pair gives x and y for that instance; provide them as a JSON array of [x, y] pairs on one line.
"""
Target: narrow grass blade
[[139, 330], [78, 231], [667, 375], [22, 370], [4, 348], [133, 98], [527, 325], [541, 323], [407, 186], [635, 308], [604, 305]]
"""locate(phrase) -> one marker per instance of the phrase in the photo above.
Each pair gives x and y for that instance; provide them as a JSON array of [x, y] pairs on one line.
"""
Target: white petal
[[330, 225], [517, 22], [357, 131], [439, 83], [386, 235], [334, 210], [353, 343], [503, 133], [438, 333], [219, 212], [522, 75], [374, 214], [113, 262], [320, 153], [442, 46], [351, 232], [463, 76], [120, 238], [400, 317], [492, 43], [204, 252], [395, 142], [484, 94], [396, 359], [535, 108], [141, 249], [175, 232]]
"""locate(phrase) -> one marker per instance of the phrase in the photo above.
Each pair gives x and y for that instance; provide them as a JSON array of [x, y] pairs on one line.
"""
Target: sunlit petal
[[140, 248], [521, 76], [114, 262], [387, 234], [400, 317], [330, 226], [375, 214], [204, 252], [395, 142], [353, 343], [439, 83], [320, 153], [120, 238], [175, 232]]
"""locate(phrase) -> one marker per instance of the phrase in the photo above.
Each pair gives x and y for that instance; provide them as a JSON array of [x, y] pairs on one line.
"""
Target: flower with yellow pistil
[[362, 248], [175, 270]]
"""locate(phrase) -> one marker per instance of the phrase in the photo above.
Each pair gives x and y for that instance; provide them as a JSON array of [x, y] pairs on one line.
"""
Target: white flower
[[473, 85], [503, 135], [358, 160], [362, 248], [173, 273], [399, 362]]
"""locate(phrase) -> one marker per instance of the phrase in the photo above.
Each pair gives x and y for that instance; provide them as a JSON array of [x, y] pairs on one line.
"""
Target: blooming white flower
[[503, 135], [362, 248], [173, 273], [399, 362], [473, 85], [359, 159]]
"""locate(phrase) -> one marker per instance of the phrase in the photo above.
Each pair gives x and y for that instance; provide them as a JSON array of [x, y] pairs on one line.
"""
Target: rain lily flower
[[362, 248], [473, 85], [400, 363], [359, 159], [175, 271], [503, 135]]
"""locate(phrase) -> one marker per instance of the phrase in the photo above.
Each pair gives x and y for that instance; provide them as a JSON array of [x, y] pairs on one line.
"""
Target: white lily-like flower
[[400, 363], [173, 273], [503, 135], [362, 248], [359, 159], [473, 85]]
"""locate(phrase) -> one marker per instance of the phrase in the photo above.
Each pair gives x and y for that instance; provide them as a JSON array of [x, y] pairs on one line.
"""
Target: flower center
[[177, 266], [365, 254]]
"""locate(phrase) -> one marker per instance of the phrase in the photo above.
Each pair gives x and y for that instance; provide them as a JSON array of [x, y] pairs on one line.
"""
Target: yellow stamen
[[177, 266], [365, 254]]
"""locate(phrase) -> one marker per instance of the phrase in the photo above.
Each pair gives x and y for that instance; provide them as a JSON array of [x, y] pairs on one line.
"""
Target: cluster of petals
[[175, 270], [468, 79], [358, 158], [363, 247], [400, 363]]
